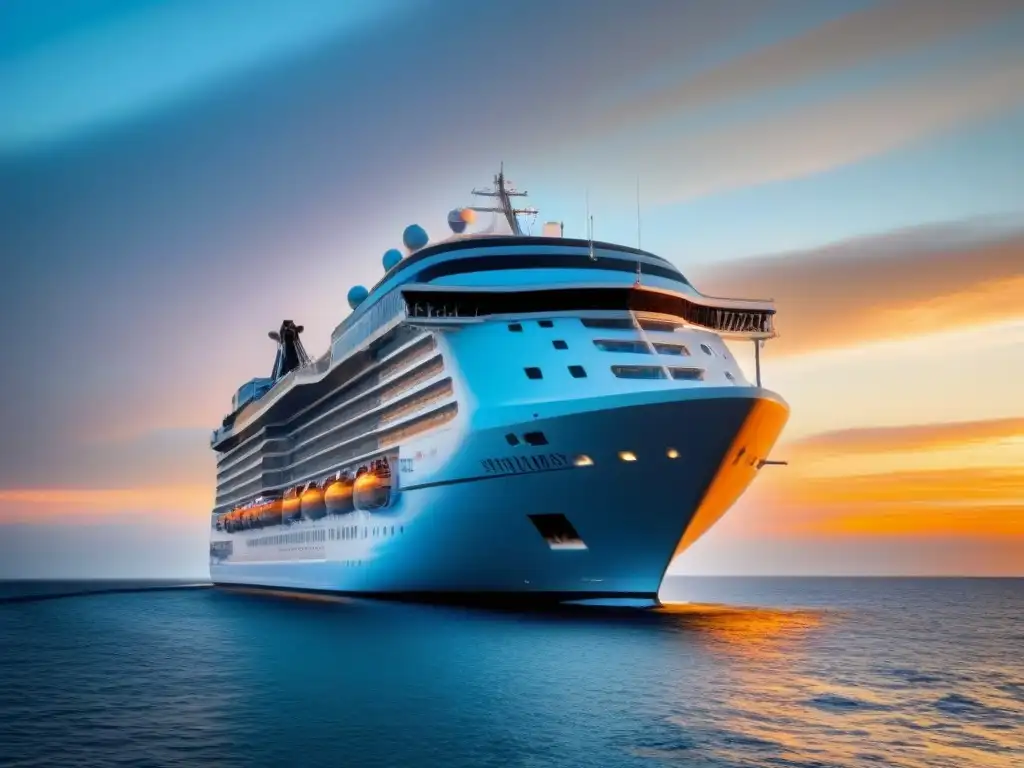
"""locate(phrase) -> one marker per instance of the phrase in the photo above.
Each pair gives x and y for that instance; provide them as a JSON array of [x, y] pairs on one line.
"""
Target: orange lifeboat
[[270, 513], [312, 500], [372, 489], [290, 505], [338, 496]]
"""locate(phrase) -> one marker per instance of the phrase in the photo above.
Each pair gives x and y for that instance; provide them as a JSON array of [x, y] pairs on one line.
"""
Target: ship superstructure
[[501, 416]]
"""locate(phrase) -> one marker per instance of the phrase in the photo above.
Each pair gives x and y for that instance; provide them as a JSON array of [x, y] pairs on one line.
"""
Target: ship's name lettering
[[516, 465]]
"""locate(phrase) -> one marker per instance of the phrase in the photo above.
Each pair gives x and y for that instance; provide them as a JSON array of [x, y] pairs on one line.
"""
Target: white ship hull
[[466, 532], [537, 417]]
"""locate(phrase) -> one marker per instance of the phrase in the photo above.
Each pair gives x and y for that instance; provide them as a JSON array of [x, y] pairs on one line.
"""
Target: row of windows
[[634, 372], [610, 324], [300, 537], [641, 347], [632, 346], [355, 395], [346, 533], [657, 372], [336, 456], [348, 402]]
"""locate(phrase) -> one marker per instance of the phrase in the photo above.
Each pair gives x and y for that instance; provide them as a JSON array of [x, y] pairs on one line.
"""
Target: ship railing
[[378, 320], [457, 305]]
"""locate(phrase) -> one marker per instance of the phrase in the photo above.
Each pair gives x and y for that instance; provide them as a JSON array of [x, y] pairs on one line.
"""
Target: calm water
[[827, 672]]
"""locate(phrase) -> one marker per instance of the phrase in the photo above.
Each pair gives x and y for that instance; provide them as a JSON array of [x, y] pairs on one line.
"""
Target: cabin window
[[671, 349], [559, 344], [638, 371], [659, 325], [730, 377], [511, 439], [535, 438], [515, 327], [608, 323], [707, 349], [622, 345], [688, 374], [577, 371], [545, 324], [533, 373]]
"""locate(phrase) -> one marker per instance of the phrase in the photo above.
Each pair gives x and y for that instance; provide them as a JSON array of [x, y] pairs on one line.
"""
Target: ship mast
[[504, 192]]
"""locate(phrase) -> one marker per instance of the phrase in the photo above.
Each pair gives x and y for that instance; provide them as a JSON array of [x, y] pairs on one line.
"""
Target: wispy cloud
[[117, 66], [679, 163], [82, 506], [910, 438], [874, 32], [964, 479], [898, 285]]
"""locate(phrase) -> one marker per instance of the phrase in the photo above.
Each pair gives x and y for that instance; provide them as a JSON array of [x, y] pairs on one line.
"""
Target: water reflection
[[923, 679]]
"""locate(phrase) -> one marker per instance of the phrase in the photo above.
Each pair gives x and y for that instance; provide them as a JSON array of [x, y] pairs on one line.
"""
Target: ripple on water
[[865, 677]]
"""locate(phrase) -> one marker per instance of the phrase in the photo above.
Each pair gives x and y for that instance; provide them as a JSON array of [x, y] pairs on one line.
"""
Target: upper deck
[[469, 277]]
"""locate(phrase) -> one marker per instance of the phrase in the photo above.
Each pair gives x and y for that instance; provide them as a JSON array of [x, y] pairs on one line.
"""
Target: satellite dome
[[356, 295], [459, 218], [414, 237], [391, 259], [455, 221]]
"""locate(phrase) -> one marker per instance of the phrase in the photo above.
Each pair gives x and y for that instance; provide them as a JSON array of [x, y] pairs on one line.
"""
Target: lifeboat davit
[[338, 496], [290, 506], [313, 507], [372, 489]]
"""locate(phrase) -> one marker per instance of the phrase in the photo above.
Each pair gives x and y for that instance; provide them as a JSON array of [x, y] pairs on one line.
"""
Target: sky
[[177, 177]]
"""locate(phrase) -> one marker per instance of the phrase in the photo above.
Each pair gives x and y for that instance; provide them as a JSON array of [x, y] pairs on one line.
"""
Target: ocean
[[753, 672]]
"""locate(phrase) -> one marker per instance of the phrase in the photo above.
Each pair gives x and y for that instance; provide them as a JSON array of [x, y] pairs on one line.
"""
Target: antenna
[[638, 228], [638, 213], [590, 229], [504, 191]]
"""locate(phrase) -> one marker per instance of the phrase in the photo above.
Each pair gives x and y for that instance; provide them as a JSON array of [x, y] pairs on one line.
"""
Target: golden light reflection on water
[[790, 693], [748, 633]]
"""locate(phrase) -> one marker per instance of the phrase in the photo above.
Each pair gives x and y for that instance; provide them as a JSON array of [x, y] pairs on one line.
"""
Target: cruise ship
[[503, 416]]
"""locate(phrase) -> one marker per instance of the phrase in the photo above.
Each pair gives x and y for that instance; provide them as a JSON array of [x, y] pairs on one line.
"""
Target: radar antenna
[[504, 191]]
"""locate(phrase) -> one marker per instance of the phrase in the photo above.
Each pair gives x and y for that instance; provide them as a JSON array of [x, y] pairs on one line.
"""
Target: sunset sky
[[176, 178]]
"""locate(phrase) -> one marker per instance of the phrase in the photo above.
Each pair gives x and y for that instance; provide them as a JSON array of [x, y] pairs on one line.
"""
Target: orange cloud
[[893, 286], [913, 437], [82, 505], [853, 483]]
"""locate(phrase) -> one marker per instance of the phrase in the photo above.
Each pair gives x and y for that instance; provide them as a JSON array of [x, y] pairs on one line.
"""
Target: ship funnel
[[290, 352]]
